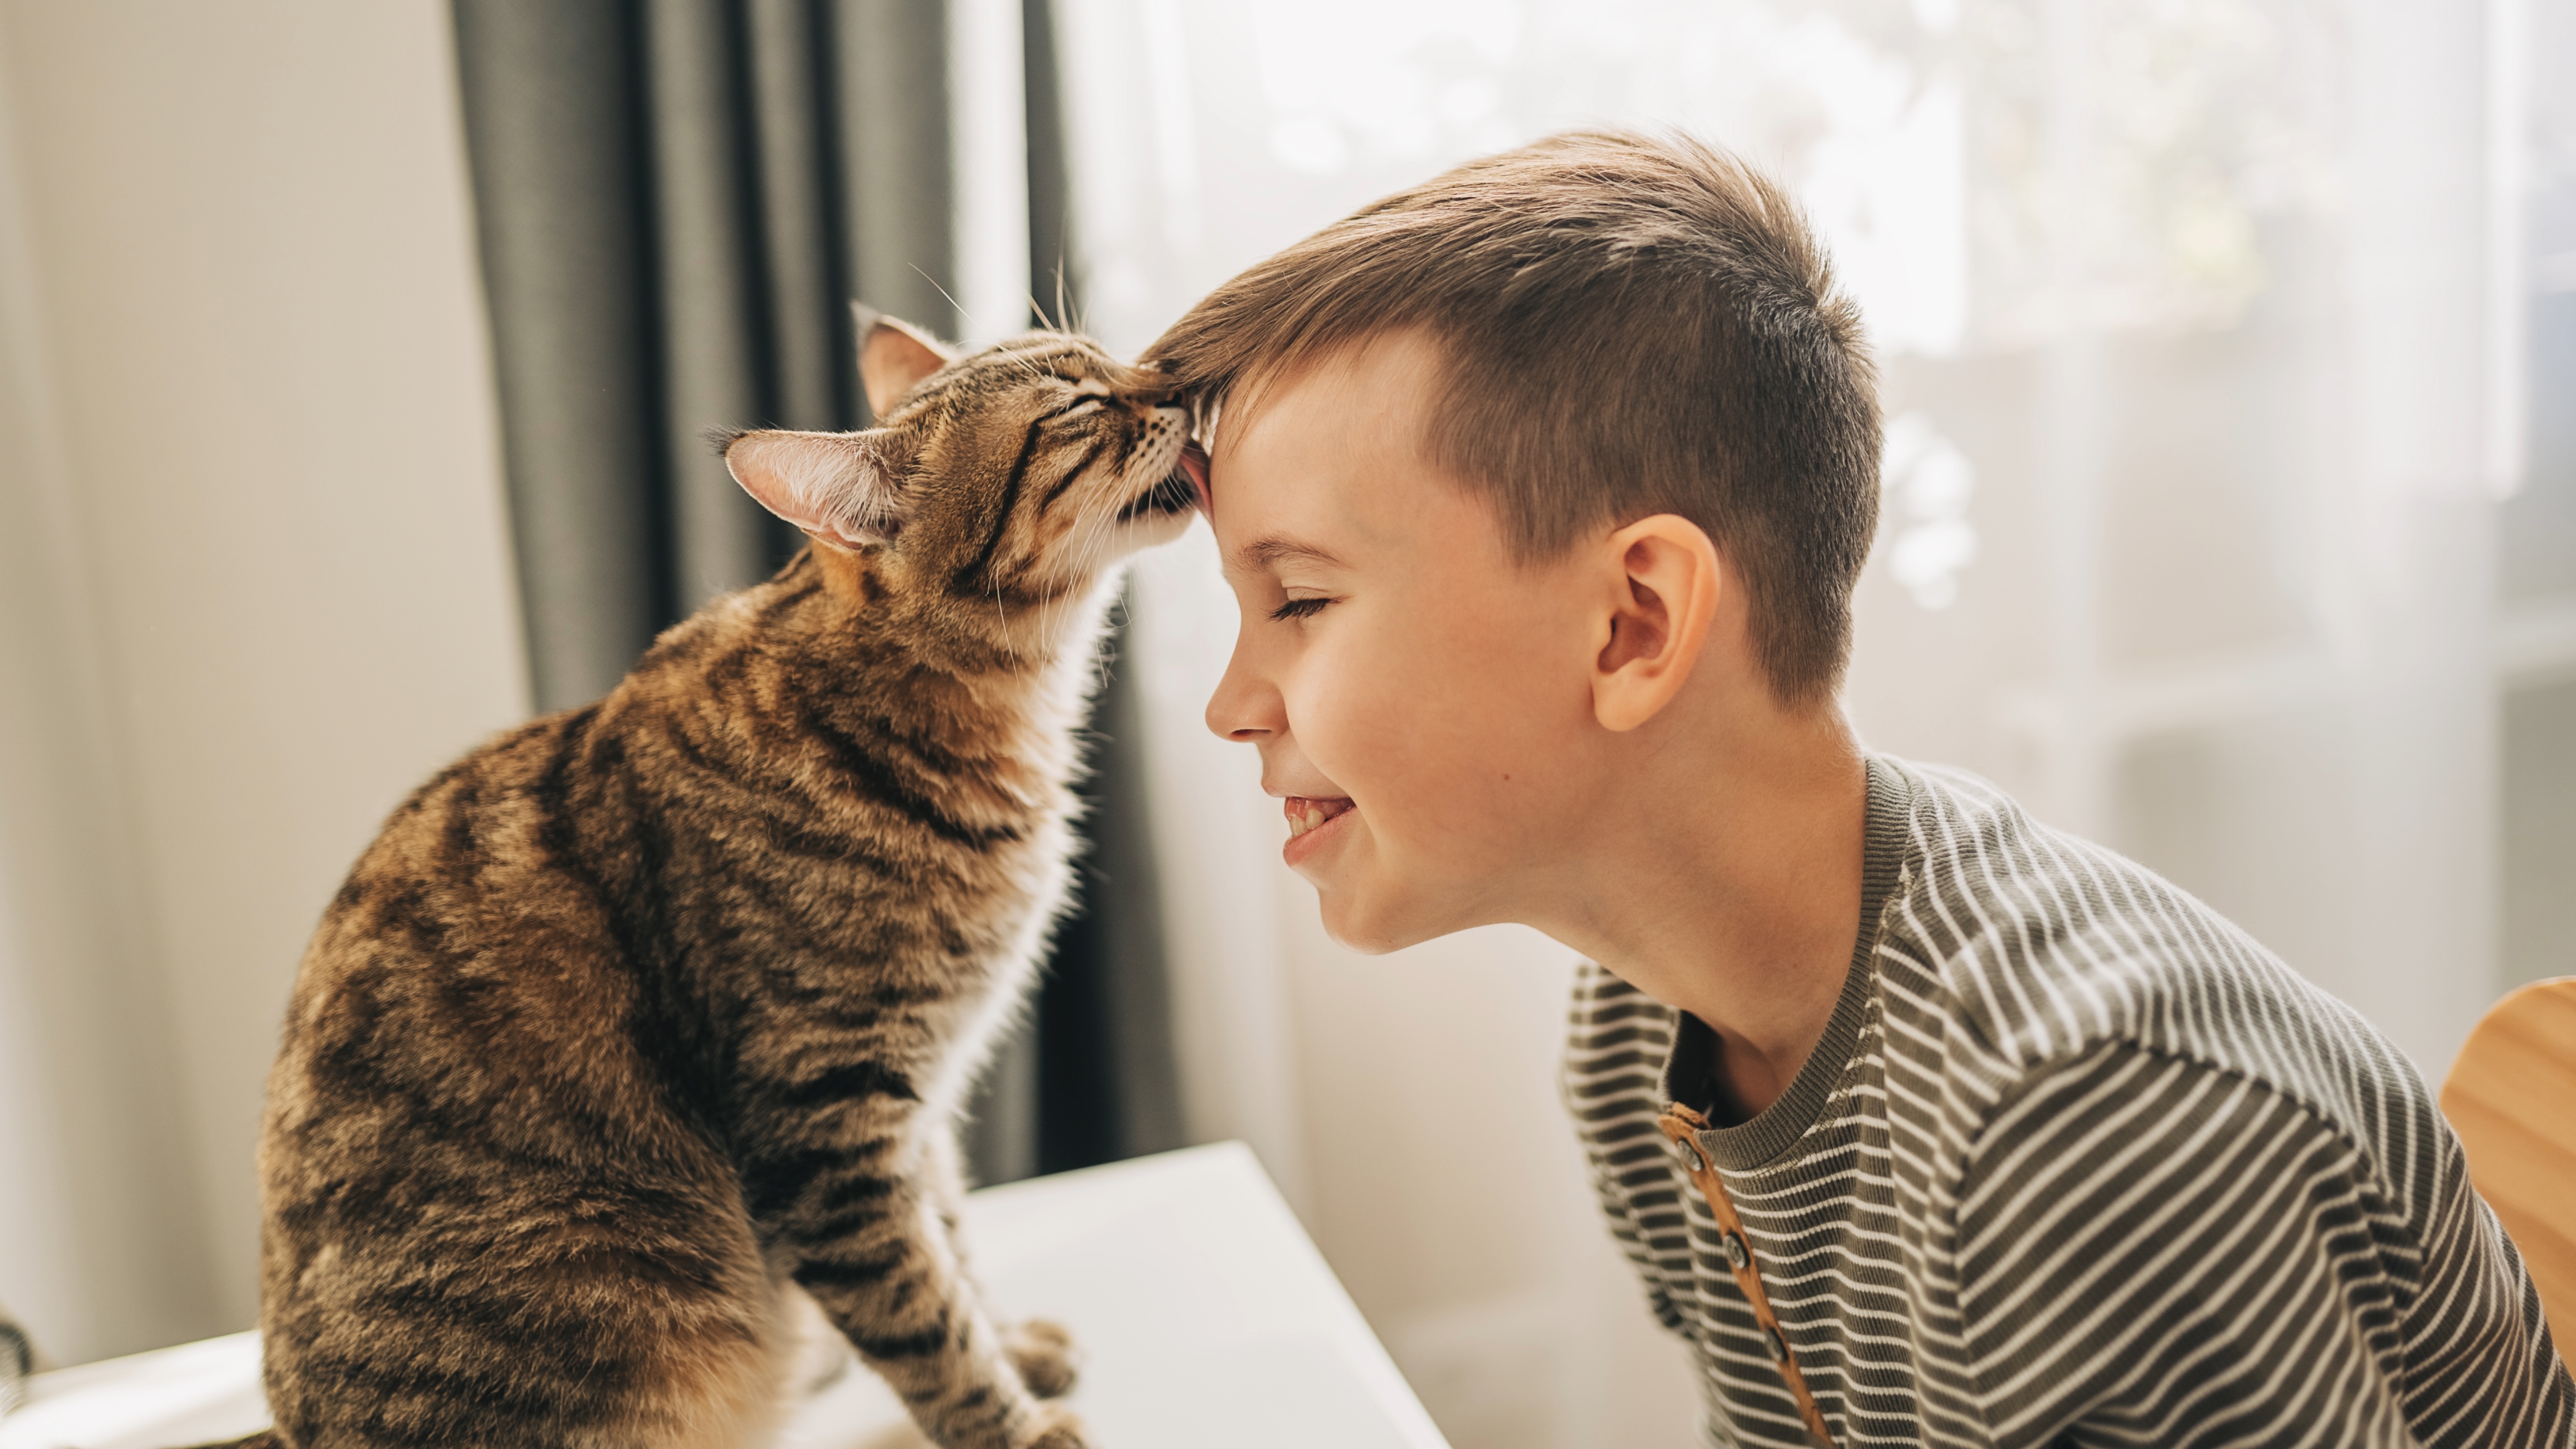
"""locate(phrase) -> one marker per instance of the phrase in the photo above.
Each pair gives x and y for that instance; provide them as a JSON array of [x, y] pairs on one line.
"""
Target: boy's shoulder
[[2026, 951], [2096, 1137], [2006, 956]]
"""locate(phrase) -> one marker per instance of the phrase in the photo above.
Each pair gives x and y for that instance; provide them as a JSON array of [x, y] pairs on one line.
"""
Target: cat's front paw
[[1053, 1426], [1046, 1358]]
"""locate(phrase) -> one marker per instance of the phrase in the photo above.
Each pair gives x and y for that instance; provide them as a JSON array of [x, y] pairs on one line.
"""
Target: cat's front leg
[[1043, 1352], [865, 1230]]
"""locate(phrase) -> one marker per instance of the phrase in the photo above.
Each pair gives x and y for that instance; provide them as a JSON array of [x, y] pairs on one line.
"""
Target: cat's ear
[[843, 488], [894, 355]]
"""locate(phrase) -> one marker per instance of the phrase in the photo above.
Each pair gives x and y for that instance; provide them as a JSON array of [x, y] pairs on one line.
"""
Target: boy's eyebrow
[[1273, 550]]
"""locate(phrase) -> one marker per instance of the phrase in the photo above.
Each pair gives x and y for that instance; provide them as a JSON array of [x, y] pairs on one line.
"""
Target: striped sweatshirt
[[2075, 1162]]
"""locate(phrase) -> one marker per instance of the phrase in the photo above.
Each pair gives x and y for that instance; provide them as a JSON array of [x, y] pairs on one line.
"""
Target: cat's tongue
[[1194, 463]]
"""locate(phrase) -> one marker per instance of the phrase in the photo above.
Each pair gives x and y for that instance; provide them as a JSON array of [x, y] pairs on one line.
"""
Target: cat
[[645, 1016]]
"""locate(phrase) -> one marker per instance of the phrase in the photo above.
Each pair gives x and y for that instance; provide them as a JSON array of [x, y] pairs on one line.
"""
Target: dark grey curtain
[[677, 200]]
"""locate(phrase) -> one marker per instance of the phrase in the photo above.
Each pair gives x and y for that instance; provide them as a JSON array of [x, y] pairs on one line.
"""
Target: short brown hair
[[1631, 325]]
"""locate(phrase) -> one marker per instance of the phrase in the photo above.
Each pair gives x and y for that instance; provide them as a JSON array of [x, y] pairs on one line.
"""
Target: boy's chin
[[1372, 924]]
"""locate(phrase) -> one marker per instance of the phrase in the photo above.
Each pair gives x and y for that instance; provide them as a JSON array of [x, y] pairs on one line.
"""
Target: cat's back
[[555, 927], [478, 1103], [537, 805], [462, 963]]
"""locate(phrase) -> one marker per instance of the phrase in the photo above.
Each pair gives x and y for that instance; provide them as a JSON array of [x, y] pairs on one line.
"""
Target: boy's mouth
[[1308, 813]]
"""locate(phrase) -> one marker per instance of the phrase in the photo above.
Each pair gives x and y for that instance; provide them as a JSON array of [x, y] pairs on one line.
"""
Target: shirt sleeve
[[2153, 1250]]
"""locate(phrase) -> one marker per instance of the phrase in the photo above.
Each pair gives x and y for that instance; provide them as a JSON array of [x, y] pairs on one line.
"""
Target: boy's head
[[1502, 461]]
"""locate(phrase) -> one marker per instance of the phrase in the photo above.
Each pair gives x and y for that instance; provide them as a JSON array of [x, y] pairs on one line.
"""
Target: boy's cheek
[[1387, 731], [1342, 714]]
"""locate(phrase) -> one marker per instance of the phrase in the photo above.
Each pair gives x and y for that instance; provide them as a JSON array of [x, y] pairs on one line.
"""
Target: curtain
[[677, 201], [1109, 1078]]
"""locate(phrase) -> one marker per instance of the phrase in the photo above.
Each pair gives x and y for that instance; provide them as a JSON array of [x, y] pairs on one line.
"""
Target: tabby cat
[[646, 1016]]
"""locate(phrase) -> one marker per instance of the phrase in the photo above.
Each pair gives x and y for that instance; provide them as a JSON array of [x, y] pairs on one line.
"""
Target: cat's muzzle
[[1177, 493]]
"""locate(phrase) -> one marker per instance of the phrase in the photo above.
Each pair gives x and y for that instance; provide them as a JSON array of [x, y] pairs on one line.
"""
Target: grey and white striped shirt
[[2076, 1162]]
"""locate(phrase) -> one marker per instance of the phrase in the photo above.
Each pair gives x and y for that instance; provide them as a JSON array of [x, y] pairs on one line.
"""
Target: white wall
[[258, 587]]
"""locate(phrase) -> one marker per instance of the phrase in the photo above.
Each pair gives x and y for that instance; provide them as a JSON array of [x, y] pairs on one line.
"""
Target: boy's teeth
[[1304, 815]]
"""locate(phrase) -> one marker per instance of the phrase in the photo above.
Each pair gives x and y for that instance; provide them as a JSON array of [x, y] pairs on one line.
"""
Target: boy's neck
[[1729, 886]]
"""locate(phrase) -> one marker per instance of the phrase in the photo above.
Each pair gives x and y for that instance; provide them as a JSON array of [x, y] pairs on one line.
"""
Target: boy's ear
[[893, 356], [1665, 597], [842, 488]]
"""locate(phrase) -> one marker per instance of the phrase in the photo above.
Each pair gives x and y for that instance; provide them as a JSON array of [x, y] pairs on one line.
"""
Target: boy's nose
[[1225, 726], [1243, 709]]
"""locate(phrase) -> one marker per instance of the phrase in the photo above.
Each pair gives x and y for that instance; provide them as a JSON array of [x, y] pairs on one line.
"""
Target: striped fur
[[2075, 1163], [647, 1016]]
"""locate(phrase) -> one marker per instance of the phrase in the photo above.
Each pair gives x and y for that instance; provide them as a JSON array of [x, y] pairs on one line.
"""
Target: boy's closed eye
[[1299, 609]]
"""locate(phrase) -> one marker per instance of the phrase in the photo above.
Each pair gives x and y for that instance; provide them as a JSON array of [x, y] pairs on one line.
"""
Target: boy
[[1543, 487]]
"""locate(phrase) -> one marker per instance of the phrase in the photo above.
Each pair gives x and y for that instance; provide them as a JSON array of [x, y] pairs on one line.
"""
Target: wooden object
[[2512, 1098]]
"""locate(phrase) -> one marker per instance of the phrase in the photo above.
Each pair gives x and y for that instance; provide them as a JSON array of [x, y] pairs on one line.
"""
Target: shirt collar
[[1687, 1071]]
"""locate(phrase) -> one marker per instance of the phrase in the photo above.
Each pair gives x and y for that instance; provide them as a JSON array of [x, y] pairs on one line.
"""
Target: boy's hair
[[1630, 325]]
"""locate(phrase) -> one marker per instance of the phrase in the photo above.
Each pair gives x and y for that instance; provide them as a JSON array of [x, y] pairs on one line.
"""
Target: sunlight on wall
[[991, 162]]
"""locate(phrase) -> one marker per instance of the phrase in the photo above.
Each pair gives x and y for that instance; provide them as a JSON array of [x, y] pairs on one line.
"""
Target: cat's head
[[1012, 476]]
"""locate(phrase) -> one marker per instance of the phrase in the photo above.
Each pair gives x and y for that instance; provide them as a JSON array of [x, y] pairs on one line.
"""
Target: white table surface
[[1204, 1314]]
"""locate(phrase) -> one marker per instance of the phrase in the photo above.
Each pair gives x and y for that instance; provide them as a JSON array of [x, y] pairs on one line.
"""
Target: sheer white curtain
[[2204, 326]]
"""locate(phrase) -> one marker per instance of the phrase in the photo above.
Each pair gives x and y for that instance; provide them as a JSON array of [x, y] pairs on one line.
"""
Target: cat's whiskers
[[1090, 544]]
